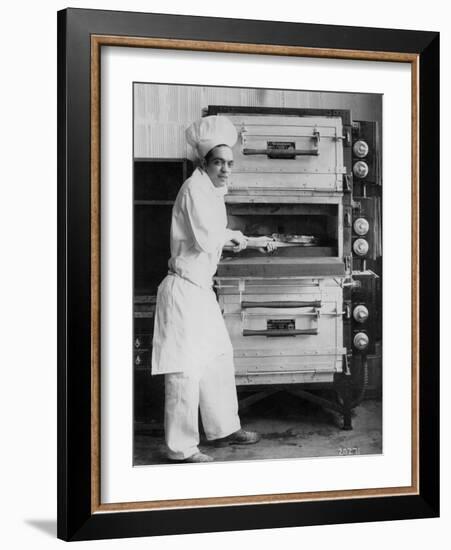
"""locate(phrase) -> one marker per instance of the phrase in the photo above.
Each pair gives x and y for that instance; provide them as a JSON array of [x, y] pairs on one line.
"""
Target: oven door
[[288, 152], [289, 332]]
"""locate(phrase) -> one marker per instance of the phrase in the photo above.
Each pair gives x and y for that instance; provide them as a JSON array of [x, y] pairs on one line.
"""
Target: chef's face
[[218, 165]]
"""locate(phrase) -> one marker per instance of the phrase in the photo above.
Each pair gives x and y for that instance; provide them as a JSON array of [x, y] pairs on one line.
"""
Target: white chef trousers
[[213, 390]]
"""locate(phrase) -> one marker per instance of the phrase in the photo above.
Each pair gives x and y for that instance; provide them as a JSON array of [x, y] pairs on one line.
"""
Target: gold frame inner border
[[97, 41]]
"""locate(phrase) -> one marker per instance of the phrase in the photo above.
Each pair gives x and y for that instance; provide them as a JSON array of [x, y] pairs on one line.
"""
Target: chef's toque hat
[[209, 132]]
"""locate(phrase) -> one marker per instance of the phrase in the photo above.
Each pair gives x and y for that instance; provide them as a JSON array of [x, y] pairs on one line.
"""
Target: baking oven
[[306, 316]]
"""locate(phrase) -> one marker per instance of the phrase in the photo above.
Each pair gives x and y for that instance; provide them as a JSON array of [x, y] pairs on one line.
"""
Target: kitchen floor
[[289, 428]]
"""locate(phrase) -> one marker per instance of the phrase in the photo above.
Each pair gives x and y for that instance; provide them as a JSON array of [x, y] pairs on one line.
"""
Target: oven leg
[[246, 402], [347, 406]]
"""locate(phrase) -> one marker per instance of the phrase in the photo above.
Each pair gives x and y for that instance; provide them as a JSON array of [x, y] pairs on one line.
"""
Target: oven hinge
[[348, 265], [347, 182], [347, 370], [347, 136], [243, 132], [347, 309]]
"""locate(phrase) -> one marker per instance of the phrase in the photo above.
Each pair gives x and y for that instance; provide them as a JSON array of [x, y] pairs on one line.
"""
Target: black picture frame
[[77, 515]]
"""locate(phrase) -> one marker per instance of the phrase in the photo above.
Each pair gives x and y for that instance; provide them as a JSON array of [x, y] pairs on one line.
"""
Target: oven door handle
[[280, 305], [281, 332], [286, 149], [282, 153]]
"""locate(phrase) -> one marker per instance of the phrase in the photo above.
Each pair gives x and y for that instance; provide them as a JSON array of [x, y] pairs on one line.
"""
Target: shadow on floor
[[47, 526]]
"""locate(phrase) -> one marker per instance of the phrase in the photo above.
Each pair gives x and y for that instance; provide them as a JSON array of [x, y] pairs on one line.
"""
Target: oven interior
[[305, 230]]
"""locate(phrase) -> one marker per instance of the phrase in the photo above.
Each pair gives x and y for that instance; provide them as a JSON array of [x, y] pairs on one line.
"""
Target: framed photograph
[[248, 274]]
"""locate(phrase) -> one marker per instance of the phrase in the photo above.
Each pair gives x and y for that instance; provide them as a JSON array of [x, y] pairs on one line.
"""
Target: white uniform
[[191, 345]]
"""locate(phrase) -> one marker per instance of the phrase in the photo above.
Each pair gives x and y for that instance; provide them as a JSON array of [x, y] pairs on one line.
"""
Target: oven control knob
[[360, 313], [361, 226], [360, 149], [361, 341], [360, 247], [360, 169]]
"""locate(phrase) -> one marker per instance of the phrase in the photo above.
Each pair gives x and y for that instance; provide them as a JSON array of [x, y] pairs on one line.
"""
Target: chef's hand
[[239, 243], [263, 244]]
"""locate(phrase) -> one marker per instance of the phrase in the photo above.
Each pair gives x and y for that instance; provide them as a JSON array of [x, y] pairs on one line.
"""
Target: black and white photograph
[[257, 273]]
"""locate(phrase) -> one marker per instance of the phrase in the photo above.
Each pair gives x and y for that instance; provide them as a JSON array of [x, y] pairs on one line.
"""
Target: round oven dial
[[360, 313], [361, 341], [361, 226], [360, 169], [361, 148], [360, 247]]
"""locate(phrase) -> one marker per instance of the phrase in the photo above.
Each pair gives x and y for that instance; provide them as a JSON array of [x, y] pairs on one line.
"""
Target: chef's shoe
[[197, 457], [241, 437]]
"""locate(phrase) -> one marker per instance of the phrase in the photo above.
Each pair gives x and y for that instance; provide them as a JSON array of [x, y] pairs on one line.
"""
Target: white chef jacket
[[189, 329]]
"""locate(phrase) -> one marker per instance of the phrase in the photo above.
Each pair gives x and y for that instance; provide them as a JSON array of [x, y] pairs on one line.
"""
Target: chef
[[191, 345]]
